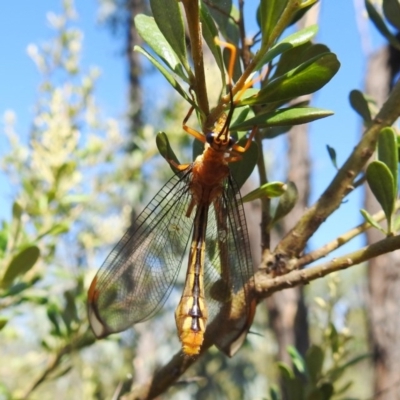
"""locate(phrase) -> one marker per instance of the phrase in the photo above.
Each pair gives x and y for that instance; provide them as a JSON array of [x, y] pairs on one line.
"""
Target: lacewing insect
[[201, 204]]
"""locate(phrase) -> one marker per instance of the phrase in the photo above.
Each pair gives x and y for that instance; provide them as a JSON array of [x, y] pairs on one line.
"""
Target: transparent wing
[[137, 277], [228, 257]]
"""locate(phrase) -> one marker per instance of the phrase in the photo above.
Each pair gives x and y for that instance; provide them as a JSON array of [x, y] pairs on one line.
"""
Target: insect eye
[[210, 137], [232, 141]]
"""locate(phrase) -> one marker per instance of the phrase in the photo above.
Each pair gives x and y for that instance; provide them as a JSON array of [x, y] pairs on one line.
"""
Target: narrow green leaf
[[305, 79], [297, 359], [270, 189], [360, 105], [387, 152], [210, 32], [168, 17], [286, 202], [225, 14], [151, 34], [172, 81], [391, 11], [314, 361], [379, 23], [296, 39], [332, 155], [20, 264], [368, 217], [166, 151], [380, 180], [283, 117], [242, 169], [270, 13]]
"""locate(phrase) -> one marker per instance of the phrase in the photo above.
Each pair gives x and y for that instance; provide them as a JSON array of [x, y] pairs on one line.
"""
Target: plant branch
[[199, 85], [339, 241], [295, 241], [265, 285]]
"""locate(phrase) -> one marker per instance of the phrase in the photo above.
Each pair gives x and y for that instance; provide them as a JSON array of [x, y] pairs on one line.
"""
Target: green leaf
[[314, 361], [297, 359], [387, 152], [381, 182], [368, 217], [172, 81], [168, 17], [242, 169], [166, 151], [288, 43], [360, 105], [272, 132], [270, 14], [210, 32], [150, 33], [270, 189], [20, 264], [326, 390], [391, 11], [16, 211], [304, 79], [283, 117], [297, 55], [225, 14], [3, 322], [286, 202], [379, 23], [332, 155], [285, 371]]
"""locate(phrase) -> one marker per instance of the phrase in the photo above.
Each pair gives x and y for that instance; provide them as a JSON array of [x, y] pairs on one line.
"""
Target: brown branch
[[265, 285], [339, 241], [295, 241]]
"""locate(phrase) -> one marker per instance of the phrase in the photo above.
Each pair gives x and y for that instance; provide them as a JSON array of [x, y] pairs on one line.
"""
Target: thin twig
[[295, 241], [339, 241]]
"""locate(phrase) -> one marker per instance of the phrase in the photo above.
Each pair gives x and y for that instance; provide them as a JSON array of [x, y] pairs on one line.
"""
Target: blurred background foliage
[[77, 183]]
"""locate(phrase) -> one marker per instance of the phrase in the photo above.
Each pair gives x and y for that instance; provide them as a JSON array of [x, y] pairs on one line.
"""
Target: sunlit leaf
[[296, 39], [269, 190], [150, 33], [270, 13], [167, 15], [3, 322], [368, 217], [304, 79], [286, 202], [297, 359], [283, 117]]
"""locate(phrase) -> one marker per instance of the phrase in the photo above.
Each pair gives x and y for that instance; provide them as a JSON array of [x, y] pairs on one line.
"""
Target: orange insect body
[[209, 171]]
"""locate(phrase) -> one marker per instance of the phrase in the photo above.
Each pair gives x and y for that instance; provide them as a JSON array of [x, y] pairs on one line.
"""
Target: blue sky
[[22, 23]]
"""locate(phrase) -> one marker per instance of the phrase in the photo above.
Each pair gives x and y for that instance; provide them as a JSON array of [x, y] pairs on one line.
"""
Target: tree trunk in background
[[383, 271], [287, 309], [135, 7]]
